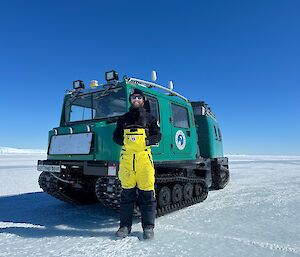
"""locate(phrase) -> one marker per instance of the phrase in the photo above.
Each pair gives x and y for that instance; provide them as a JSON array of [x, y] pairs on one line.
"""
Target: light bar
[[111, 75], [77, 84]]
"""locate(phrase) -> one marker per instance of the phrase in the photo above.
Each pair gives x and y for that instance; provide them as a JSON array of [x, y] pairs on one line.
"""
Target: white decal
[[180, 140]]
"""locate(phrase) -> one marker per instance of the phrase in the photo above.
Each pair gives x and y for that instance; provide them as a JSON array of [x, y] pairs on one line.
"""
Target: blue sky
[[241, 57]]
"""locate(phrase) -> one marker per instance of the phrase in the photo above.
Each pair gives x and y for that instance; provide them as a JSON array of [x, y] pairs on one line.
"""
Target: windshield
[[98, 105]]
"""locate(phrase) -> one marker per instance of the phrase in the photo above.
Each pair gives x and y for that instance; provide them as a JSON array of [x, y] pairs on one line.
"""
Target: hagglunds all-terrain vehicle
[[82, 159]]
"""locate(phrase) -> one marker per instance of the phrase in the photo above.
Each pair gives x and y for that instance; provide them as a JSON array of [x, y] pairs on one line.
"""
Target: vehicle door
[[180, 131]]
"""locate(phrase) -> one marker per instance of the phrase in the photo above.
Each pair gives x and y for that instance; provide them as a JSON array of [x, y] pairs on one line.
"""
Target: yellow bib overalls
[[136, 164]]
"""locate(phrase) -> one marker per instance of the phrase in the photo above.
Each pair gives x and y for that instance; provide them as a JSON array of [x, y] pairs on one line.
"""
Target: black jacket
[[140, 118]]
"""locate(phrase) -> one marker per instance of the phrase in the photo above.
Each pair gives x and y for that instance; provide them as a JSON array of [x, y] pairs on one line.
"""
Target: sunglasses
[[136, 97]]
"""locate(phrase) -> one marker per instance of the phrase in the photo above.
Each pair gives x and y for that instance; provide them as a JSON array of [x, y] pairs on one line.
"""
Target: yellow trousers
[[136, 163]]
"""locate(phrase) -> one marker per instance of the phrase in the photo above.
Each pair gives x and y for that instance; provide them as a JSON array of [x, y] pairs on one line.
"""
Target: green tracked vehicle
[[82, 159]]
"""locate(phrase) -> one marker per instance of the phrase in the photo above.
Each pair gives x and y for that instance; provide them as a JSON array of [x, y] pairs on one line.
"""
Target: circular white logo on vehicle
[[180, 140], [133, 139]]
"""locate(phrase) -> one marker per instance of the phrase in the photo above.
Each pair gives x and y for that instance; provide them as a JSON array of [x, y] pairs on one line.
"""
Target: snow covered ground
[[257, 214]]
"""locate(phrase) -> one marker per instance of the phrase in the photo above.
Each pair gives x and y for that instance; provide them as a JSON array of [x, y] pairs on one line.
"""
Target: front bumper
[[48, 167], [96, 168]]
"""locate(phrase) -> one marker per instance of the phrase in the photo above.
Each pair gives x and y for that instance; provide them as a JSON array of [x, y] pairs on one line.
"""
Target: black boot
[[123, 232], [148, 232]]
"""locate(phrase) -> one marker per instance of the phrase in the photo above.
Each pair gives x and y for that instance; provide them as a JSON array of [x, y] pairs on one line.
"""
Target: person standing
[[136, 130]]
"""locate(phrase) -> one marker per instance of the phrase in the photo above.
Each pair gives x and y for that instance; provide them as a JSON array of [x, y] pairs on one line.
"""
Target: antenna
[[171, 86], [153, 76]]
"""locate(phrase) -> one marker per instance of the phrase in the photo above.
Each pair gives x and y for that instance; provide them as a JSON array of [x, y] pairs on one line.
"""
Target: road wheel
[[188, 191], [198, 190], [164, 196], [177, 193]]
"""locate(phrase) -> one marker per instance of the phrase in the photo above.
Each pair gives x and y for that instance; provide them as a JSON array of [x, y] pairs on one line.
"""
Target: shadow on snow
[[37, 215]]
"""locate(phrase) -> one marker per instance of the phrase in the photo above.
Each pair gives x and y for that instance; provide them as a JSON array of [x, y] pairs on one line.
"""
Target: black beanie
[[138, 92]]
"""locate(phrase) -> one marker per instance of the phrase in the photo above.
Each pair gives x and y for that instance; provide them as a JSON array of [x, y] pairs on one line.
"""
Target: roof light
[[78, 84], [111, 75], [94, 83]]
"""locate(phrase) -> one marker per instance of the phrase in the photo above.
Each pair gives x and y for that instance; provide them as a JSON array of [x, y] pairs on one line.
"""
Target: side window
[[199, 110], [220, 136], [193, 120], [180, 116], [216, 134], [151, 106]]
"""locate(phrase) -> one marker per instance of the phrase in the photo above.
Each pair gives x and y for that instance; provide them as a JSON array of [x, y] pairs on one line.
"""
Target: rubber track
[[49, 185], [108, 191], [220, 182]]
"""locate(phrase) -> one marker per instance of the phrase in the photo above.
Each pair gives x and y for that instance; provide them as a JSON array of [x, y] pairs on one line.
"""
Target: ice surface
[[257, 214]]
